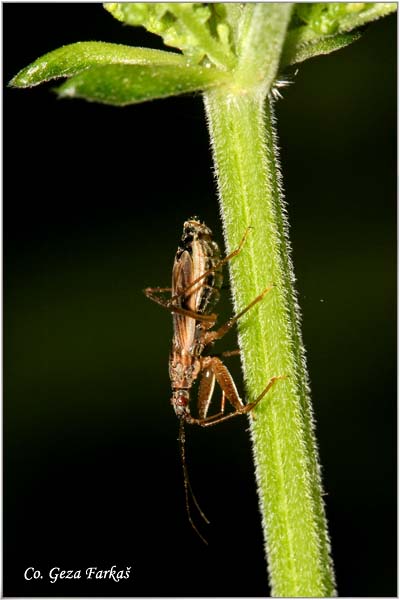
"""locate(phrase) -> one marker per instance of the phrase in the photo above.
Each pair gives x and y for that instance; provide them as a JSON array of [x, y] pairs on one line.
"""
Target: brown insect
[[196, 284]]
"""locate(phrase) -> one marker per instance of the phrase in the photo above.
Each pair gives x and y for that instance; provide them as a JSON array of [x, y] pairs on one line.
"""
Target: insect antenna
[[187, 485]]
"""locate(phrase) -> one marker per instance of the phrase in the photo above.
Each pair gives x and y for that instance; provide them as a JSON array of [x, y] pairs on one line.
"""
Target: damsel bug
[[196, 283]]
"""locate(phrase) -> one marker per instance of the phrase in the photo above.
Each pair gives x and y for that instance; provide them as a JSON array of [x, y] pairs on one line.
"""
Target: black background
[[94, 201]]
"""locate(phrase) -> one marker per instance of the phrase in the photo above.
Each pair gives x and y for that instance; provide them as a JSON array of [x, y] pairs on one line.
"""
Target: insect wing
[[182, 276]]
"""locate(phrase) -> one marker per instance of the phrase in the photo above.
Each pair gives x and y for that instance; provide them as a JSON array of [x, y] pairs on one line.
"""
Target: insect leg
[[223, 402], [229, 353], [214, 369], [151, 294], [169, 305], [228, 387], [212, 336], [226, 382], [246, 408], [206, 389]]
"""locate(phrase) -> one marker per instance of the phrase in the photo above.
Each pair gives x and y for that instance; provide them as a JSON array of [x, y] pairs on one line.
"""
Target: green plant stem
[[285, 453]]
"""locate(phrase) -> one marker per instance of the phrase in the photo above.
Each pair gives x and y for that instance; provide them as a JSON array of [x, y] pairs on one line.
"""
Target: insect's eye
[[181, 401]]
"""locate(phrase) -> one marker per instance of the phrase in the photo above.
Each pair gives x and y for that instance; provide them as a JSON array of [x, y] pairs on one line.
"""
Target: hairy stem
[[285, 452]]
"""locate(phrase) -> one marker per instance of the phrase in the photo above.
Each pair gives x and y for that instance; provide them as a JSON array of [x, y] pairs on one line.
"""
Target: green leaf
[[328, 18], [74, 58], [293, 53], [121, 85], [199, 30], [323, 27]]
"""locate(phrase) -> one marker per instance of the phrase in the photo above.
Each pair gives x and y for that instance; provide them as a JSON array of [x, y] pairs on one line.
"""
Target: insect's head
[[180, 402]]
